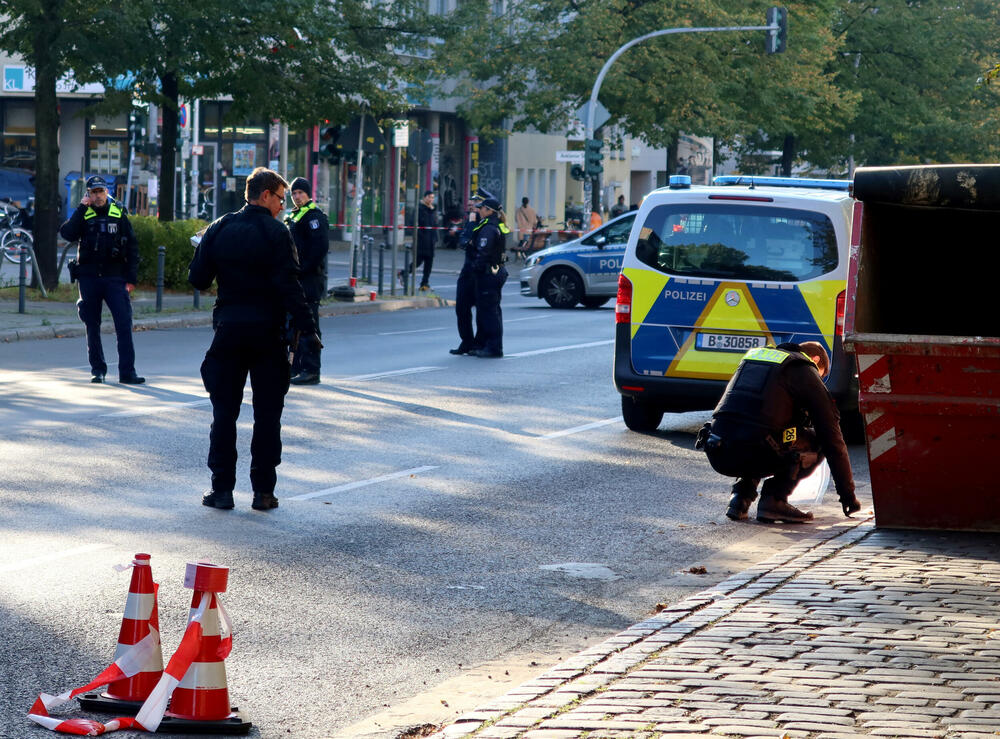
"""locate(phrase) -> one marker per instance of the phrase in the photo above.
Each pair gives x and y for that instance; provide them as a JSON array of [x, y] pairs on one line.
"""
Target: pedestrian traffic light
[[593, 157], [328, 150], [777, 39]]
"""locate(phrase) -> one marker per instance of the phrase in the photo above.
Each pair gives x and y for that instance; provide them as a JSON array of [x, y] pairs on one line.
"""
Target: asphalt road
[[444, 520]]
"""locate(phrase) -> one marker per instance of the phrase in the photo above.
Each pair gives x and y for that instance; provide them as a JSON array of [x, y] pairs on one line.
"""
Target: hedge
[[176, 236]]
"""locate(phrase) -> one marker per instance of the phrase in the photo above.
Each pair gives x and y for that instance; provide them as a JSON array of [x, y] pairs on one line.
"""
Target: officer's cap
[[96, 183], [491, 203]]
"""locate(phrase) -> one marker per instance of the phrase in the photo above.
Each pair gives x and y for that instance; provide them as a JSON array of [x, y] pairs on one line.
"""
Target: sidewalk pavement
[[854, 632], [45, 319]]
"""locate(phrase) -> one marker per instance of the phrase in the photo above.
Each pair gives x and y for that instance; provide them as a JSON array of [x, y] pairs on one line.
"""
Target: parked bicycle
[[12, 235]]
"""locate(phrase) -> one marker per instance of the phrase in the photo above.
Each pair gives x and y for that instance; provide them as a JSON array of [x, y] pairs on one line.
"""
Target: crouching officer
[[251, 256], [490, 244], [311, 233], [777, 420], [106, 267]]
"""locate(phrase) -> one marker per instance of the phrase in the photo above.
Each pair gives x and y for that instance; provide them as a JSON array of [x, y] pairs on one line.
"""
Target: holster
[[74, 270]]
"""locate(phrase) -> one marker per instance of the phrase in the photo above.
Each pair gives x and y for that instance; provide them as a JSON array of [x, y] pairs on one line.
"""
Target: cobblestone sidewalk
[[864, 633]]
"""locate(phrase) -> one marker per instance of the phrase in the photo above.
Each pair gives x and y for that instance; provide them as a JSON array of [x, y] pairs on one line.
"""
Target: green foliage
[[176, 236]]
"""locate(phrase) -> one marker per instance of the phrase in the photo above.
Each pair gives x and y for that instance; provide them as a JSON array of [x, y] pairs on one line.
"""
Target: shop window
[[19, 143], [107, 144]]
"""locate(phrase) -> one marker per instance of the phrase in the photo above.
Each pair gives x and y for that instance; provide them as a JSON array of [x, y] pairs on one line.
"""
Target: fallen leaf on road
[[698, 570]]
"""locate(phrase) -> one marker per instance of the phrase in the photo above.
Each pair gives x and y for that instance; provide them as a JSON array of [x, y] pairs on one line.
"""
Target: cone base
[[103, 703], [235, 723]]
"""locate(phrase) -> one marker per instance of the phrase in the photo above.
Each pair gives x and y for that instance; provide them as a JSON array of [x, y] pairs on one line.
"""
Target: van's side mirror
[[600, 241]]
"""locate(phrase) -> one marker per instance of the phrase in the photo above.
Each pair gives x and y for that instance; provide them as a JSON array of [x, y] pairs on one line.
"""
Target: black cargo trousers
[[751, 460], [238, 350]]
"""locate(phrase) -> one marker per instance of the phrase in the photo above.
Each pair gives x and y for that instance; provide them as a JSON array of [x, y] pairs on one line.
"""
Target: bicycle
[[12, 236]]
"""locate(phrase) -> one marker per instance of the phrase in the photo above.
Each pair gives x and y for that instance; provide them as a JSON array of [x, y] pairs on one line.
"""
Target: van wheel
[[561, 288], [640, 416], [595, 302]]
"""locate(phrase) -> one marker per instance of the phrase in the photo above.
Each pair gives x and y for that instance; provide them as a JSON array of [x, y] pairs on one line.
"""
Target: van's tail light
[[841, 311], [623, 308]]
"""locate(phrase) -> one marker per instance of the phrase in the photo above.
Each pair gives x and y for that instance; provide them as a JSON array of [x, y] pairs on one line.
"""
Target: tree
[[296, 60], [51, 35]]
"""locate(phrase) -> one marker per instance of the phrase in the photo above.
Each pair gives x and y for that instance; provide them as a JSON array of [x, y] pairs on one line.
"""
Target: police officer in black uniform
[[311, 233], [106, 265], [465, 288], [778, 420], [252, 257], [490, 244]]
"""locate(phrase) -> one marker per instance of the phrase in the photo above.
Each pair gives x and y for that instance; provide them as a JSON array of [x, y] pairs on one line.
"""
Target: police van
[[584, 270], [711, 272]]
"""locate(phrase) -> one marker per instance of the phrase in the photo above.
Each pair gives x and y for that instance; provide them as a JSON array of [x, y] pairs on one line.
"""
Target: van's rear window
[[738, 242]]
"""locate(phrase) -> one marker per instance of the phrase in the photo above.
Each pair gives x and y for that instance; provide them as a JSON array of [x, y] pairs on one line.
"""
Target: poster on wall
[[244, 159]]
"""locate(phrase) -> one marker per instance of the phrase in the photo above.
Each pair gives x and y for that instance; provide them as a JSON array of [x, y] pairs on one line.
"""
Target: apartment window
[[107, 144], [552, 193]]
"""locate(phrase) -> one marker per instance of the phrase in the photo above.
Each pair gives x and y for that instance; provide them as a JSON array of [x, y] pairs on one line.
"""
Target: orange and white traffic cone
[[140, 626], [194, 680]]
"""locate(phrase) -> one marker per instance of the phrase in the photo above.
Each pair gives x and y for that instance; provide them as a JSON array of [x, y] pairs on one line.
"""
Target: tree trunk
[[787, 155], [48, 199], [168, 146]]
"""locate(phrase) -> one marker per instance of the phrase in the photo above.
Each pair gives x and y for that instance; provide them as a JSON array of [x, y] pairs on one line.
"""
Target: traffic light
[[328, 150], [137, 126], [777, 40], [576, 172], [592, 157]]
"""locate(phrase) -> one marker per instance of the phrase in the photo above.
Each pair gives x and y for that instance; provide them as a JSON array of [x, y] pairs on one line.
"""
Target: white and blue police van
[[582, 271]]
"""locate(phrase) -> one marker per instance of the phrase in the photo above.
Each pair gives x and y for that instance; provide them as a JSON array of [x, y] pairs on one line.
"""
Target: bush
[[176, 236]]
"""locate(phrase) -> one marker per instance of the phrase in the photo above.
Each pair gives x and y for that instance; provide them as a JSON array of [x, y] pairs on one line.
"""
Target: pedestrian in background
[[526, 220], [619, 208], [490, 243], [251, 256], [106, 268], [777, 420], [465, 288], [311, 234]]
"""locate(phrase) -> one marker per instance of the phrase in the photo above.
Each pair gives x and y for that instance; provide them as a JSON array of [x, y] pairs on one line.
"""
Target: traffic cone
[[138, 651], [195, 677]]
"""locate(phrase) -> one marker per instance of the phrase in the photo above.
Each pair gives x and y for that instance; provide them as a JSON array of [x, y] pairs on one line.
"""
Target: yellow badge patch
[[788, 435]]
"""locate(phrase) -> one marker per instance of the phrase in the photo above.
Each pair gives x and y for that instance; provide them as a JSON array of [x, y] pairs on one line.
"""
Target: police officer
[[106, 265], [777, 420], [465, 288], [311, 233], [489, 242], [251, 256]]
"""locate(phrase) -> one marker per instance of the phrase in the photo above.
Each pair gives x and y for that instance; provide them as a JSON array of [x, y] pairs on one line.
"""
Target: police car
[[584, 270], [711, 272]]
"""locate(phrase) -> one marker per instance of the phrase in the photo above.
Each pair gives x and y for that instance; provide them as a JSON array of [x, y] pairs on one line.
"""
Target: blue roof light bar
[[757, 181]]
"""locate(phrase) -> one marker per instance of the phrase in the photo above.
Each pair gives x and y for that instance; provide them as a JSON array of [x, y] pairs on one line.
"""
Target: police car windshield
[[738, 242]]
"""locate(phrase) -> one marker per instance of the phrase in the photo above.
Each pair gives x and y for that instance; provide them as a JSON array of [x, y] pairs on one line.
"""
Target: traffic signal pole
[[774, 29]]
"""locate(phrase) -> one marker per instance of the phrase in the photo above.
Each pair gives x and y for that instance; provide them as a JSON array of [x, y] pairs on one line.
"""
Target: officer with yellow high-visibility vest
[[489, 240], [777, 420], [106, 268], [311, 234]]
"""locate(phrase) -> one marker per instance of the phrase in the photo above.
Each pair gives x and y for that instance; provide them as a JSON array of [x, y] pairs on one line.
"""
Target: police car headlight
[[532, 261]]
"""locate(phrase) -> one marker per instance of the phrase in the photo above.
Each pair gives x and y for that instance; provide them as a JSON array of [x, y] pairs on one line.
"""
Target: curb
[[590, 671], [204, 318]]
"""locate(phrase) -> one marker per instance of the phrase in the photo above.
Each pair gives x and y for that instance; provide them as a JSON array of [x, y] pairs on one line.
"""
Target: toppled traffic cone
[[138, 664], [140, 622], [194, 680]]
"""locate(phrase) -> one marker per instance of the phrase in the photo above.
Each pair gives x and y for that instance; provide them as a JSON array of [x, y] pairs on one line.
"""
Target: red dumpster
[[923, 319]]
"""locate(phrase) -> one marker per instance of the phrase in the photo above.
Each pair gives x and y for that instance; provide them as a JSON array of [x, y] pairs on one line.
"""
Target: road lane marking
[[391, 373], [364, 483], [150, 410], [585, 427], [414, 331], [26, 563], [529, 318], [560, 348]]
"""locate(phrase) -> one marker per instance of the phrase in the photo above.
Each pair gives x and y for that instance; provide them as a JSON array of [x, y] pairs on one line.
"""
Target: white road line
[[529, 318], [26, 563], [391, 373], [560, 348], [585, 427], [414, 331], [364, 483], [150, 410]]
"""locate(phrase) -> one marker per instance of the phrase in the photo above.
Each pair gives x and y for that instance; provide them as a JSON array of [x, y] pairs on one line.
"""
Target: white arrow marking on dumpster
[[364, 483]]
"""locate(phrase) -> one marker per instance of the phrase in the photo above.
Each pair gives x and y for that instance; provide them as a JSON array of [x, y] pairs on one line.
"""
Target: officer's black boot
[[218, 499], [264, 501], [774, 505], [744, 493]]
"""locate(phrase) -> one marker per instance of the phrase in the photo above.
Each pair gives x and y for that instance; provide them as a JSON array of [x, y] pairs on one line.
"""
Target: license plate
[[729, 342]]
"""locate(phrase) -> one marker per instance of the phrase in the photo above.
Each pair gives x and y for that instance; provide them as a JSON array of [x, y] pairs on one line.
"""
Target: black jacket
[[489, 241], [108, 247], [311, 233], [253, 259], [427, 220]]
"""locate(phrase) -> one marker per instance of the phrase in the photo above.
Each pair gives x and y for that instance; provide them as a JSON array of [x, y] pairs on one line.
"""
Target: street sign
[[572, 157], [401, 135], [601, 114], [198, 149]]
